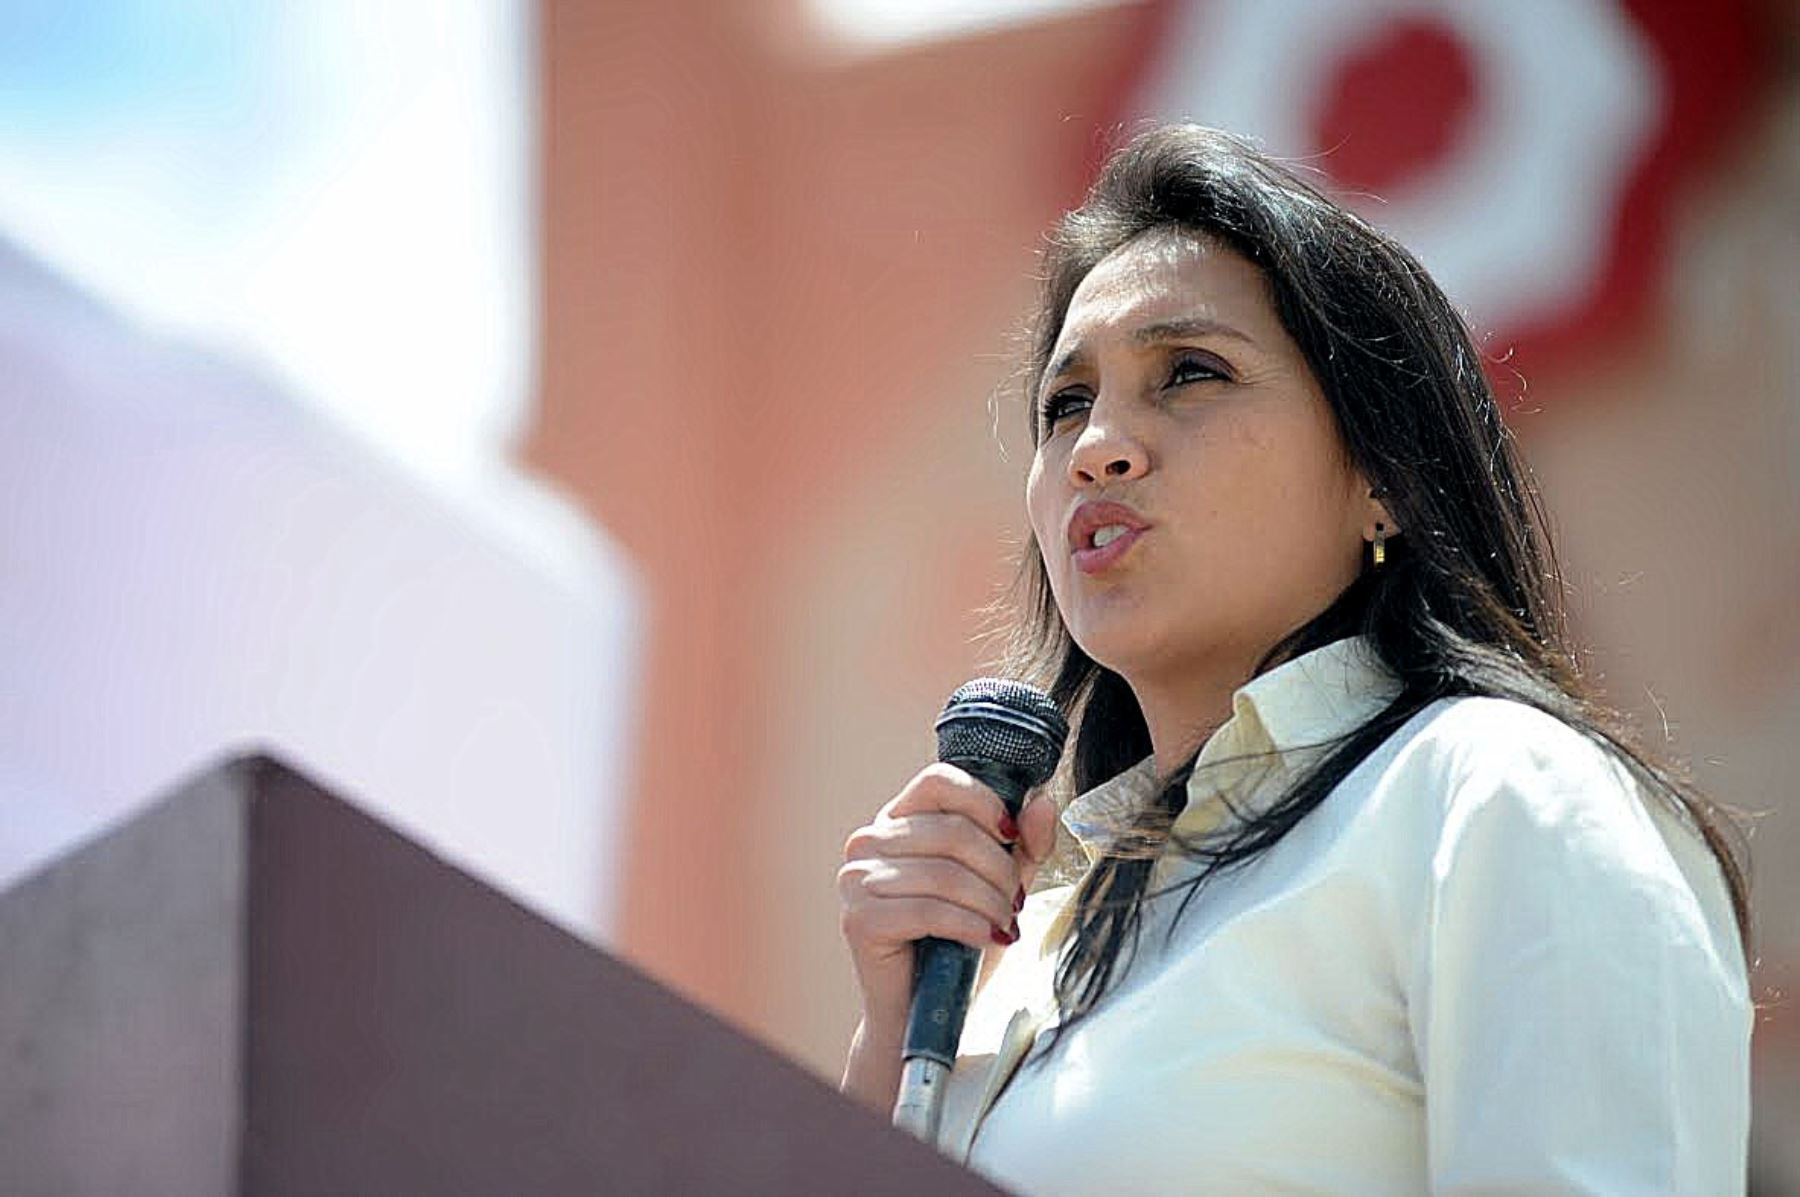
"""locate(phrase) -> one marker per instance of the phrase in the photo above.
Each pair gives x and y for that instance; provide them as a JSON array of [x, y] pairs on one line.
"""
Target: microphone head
[[1011, 724]]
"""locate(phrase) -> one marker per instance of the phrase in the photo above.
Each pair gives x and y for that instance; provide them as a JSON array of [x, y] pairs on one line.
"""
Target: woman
[[1377, 899]]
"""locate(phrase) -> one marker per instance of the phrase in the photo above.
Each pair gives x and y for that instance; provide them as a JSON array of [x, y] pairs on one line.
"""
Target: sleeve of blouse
[[1580, 1026]]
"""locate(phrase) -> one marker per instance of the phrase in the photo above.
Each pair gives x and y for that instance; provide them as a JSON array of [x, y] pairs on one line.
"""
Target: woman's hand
[[936, 860]]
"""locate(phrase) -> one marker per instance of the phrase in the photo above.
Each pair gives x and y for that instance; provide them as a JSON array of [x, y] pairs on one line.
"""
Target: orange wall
[[772, 289]]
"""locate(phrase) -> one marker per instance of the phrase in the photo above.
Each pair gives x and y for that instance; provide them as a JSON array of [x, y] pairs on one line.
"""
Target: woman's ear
[[1375, 512]]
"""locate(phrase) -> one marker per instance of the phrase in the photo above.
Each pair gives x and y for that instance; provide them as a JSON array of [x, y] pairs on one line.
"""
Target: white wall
[[192, 562]]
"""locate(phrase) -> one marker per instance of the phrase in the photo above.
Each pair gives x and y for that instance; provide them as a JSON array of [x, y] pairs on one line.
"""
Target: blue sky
[[341, 193]]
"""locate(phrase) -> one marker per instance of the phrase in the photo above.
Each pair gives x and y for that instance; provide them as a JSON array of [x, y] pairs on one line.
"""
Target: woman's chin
[[1122, 647]]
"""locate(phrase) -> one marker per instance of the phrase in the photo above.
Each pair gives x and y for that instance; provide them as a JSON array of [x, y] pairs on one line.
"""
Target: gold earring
[[1380, 550]]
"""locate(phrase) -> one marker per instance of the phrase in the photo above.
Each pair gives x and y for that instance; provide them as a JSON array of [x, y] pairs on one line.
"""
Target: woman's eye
[[1192, 368], [1061, 404], [1188, 368]]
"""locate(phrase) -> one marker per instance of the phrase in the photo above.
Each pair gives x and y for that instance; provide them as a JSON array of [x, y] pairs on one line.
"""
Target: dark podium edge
[[255, 987]]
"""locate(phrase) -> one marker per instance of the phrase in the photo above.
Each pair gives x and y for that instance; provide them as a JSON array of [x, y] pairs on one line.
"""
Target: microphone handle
[[943, 978]]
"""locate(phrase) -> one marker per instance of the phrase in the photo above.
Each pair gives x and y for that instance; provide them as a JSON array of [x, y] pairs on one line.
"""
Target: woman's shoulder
[[1475, 721], [1509, 777], [1497, 780], [1478, 741]]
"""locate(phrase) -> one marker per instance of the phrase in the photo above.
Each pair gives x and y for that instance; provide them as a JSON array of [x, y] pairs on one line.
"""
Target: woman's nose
[[1106, 452]]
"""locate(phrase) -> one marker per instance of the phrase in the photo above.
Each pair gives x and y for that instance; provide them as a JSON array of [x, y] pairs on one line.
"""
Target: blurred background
[[585, 433]]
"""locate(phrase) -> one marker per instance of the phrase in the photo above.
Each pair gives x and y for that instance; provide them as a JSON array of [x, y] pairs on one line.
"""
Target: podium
[[253, 988]]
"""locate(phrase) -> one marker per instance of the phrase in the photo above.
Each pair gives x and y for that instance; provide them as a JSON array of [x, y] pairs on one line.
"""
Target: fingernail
[[1009, 827], [1005, 937], [1019, 899]]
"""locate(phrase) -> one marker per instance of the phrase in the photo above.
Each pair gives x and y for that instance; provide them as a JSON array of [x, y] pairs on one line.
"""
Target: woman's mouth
[[1109, 543]]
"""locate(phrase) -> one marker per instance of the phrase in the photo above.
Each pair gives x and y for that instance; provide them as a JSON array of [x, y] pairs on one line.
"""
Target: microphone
[[1009, 736]]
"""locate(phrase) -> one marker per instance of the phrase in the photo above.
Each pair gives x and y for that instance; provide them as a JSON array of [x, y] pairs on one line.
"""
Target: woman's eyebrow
[[1187, 326], [1150, 334]]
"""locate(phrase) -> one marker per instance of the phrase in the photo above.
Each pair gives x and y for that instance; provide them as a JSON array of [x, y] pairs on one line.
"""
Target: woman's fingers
[[950, 836], [1037, 828], [947, 789], [939, 879], [937, 860], [892, 924]]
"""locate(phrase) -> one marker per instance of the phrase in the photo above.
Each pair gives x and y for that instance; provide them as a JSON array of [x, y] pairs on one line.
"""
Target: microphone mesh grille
[[1010, 723]]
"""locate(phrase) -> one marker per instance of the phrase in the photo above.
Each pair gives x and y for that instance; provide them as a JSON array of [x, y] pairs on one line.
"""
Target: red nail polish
[[1002, 937], [1009, 827], [1019, 899]]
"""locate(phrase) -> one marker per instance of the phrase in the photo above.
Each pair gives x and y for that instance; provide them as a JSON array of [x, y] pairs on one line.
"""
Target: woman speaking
[[1371, 895]]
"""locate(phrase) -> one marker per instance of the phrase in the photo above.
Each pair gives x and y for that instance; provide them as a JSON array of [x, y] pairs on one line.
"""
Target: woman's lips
[[1092, 561]]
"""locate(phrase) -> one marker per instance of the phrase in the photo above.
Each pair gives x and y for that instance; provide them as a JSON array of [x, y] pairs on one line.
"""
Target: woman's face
[[1174, 389]]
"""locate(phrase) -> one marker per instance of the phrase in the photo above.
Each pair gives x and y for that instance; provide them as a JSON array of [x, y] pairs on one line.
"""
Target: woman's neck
[[1183, 709]]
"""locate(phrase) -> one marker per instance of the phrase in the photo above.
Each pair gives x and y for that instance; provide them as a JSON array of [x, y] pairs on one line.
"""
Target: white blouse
[[1483, 965]]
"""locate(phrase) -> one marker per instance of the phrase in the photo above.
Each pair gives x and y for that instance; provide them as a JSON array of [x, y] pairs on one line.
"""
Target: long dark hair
[[1469, 601]]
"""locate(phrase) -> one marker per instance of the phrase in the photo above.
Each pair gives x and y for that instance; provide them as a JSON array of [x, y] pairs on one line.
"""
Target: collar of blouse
[[1290, 711]]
